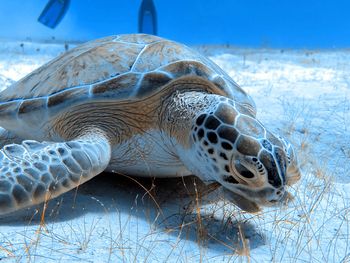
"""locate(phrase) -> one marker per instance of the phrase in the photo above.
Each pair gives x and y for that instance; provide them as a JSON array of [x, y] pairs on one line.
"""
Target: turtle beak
[[242, 202], [293, 175], [255, 207]]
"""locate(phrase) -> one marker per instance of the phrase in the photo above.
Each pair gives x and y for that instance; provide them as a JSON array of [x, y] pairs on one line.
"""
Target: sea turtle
[[140, 105]]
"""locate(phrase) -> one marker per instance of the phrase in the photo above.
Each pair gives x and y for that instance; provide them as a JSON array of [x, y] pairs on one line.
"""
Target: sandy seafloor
[[303, 95]]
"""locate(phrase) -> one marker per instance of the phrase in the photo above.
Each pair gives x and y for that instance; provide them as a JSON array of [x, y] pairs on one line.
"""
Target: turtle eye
[[242, 170]]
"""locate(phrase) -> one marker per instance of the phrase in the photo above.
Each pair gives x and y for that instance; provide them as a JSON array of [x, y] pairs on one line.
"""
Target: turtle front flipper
[[34, 172]]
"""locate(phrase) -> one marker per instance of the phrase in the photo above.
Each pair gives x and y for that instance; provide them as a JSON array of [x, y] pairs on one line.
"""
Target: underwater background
[[253, 23]]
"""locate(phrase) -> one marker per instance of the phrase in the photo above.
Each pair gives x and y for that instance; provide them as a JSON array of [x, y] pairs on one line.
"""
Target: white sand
[[303, 95]]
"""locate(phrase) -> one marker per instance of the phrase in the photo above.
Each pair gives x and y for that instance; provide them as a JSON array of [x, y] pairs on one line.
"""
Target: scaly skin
[[33, 172]]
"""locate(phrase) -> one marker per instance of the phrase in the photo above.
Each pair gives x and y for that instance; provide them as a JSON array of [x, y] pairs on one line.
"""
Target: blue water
[[253, 23]]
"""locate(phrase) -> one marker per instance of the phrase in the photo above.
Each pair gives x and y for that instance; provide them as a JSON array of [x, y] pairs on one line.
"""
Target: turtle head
[[234, 148]]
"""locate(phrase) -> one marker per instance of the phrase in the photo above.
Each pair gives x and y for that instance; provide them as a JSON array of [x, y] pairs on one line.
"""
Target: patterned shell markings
[[85, 64], [135, 56]]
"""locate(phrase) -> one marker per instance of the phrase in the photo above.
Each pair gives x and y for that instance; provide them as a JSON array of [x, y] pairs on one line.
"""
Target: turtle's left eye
[[242, 170]]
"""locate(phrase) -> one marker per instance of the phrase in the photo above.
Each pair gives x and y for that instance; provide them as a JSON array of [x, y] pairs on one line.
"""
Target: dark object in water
[[147, 18], [53, 12]]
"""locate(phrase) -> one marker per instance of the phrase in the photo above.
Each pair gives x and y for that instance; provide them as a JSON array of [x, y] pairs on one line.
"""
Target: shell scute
[[68, 96], [137, 38], [166, 53], [182, 68], [152, 82], [123, 86], [31, 105], [9, 107], [87, 65]]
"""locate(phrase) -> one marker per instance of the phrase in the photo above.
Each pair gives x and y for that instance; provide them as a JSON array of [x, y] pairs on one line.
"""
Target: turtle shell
[[122, 67]]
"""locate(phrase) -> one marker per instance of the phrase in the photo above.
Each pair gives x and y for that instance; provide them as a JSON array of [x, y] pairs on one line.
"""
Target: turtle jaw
[[255, 204], [293, 175], [241, 201]]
